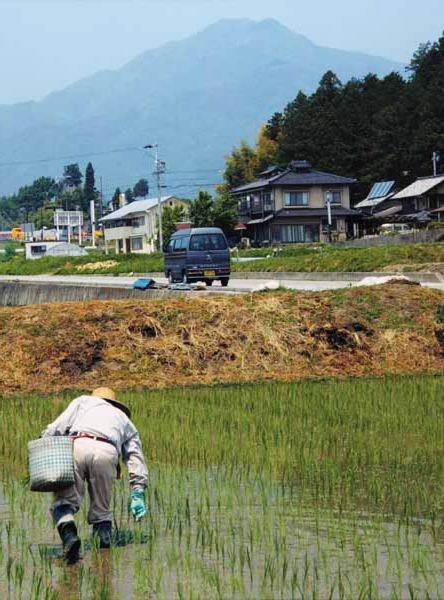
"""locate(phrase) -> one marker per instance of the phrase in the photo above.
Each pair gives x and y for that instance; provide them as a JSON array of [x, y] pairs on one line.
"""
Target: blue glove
[[138, 504]]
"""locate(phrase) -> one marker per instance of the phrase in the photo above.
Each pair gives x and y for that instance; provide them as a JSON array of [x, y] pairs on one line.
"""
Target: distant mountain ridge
[[196, 97]]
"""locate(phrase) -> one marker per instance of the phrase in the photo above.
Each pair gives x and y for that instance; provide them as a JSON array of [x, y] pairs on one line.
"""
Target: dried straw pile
[[129, 344]]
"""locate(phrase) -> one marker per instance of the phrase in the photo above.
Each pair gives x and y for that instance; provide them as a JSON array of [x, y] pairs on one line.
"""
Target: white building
[[43, 248], [133, 227]]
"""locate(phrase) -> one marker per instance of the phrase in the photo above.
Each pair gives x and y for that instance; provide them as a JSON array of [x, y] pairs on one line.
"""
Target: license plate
[[210, 273]]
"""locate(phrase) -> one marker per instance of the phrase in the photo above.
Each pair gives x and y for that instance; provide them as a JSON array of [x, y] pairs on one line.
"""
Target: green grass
[[126, 263], [293, 258], [329, 258], [309, 490]]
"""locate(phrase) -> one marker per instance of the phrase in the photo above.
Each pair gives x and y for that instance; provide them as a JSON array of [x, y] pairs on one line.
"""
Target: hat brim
[[121, 406]]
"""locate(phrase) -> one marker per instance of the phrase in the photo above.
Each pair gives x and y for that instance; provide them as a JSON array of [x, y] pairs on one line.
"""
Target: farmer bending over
[[102, 431]]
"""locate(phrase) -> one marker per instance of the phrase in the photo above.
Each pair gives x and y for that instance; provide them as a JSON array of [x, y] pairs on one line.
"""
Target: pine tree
[[72, 175], [129, 197], [141, 189]]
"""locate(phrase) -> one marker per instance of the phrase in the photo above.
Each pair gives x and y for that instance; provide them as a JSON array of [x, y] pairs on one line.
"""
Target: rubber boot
[[103, 530], [71, 541]]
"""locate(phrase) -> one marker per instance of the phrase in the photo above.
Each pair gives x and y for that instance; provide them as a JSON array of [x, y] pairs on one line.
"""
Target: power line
[[19, 163], [68, 157]]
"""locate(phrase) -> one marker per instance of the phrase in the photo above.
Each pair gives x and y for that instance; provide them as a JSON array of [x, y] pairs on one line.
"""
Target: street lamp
[[159, 166]]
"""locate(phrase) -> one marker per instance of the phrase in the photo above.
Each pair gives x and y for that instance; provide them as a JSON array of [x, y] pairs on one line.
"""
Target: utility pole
[[93, 222], [101, 199], [328, 202], [159, 166], [435, 159]]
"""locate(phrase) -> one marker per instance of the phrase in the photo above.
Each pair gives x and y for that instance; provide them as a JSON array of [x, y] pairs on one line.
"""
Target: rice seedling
[[323, 490]]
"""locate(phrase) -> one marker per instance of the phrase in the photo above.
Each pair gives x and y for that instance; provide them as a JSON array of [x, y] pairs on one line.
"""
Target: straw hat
[[110, 395]]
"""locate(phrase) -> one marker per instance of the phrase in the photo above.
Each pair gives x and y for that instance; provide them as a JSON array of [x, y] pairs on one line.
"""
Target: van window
[[208, 241], [180, 244], [170, 247]]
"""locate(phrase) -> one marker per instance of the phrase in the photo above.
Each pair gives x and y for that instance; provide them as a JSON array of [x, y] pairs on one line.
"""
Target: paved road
[[235, 284]]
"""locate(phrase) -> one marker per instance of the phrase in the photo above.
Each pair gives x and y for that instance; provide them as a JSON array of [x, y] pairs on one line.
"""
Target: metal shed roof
[[134, 207], [419, 187]]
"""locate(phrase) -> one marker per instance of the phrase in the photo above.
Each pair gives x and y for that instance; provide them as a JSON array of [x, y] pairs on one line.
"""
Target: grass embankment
[[361, 331], [305, 258], [95, 264], [411, 257]]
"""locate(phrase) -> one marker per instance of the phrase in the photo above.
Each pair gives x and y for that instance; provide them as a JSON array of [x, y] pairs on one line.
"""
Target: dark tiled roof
[[311, 178], [297, 178]]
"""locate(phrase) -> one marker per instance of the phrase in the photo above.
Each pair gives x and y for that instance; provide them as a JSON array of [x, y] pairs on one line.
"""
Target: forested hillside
[[370, 128]]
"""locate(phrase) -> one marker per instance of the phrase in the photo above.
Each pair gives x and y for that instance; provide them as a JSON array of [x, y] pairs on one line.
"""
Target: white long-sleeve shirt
[[95, 416]]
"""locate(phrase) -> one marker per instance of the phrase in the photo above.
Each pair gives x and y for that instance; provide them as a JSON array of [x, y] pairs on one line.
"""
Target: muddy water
[[209, 535]]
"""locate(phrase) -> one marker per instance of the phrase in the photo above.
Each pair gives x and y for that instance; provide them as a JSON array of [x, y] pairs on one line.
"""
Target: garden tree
[[170, 216], [72, 176], [201, 210], [31, 197], [89, 190], [141, 189], [225, 212], [266, 152], [73, 199], [240, 165], [129, 197], [42, 218], [115, 200]]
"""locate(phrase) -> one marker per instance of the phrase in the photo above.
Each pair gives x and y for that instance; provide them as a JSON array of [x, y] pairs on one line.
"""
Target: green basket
[[51, 464]]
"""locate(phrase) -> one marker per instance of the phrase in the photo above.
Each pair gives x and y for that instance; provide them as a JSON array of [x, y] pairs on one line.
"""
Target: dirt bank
[[395, 328]]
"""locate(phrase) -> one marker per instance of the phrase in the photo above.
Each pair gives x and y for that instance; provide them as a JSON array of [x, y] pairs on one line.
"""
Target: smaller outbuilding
[[425, 194], [34, 250]]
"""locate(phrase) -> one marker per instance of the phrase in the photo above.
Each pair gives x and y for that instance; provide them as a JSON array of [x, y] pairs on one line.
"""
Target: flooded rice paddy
[[308, 490]]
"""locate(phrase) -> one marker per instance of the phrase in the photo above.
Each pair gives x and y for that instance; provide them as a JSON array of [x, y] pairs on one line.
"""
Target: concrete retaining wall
[[337, 276], [22, 294]]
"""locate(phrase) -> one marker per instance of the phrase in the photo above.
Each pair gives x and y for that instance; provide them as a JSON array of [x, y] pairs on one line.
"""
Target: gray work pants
[[94, 463]]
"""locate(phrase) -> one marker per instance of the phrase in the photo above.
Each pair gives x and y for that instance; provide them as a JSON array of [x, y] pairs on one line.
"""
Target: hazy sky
[[47, 45]]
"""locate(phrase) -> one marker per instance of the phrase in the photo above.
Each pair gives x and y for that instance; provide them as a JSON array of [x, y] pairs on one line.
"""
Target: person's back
[[102, 431]]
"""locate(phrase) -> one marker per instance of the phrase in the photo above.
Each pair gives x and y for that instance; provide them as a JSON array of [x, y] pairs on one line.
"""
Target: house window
[[256, 204], [335, 196], [297, 198], [266, 200], [137, 243], [38, 249], [293, 234], [138, 222]]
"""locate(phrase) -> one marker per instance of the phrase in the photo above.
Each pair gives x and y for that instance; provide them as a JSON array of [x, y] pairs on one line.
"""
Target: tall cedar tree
[[89, 190]]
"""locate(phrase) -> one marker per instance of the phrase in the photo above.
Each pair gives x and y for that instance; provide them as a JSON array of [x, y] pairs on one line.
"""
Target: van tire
[[170, 278], [224, 281], [209, 282]]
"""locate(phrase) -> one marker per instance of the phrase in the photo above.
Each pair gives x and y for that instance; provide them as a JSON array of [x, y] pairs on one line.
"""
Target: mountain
[[196, 97]]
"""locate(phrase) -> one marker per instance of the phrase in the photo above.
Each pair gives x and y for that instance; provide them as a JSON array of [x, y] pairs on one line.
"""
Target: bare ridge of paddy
[[390, 329]]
